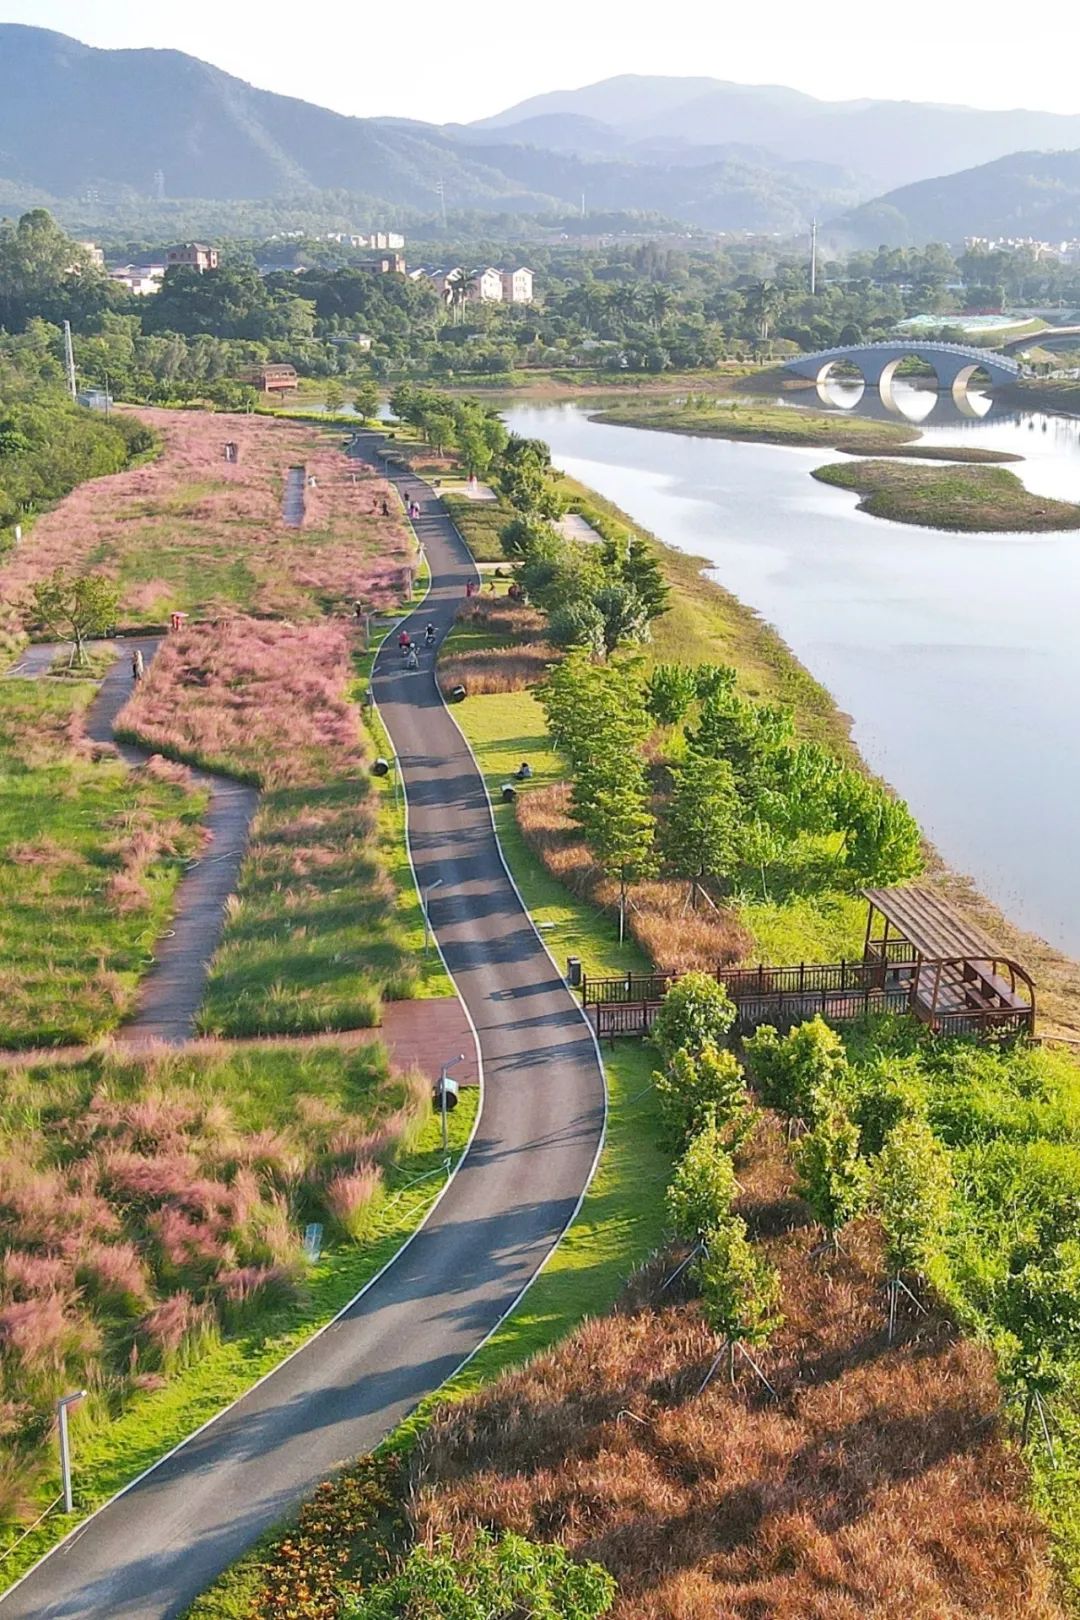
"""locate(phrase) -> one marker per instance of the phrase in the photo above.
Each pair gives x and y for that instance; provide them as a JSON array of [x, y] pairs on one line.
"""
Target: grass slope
[[90, 856], [973, 499]]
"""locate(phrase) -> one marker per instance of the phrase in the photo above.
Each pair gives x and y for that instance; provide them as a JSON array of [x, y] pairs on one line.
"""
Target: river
[[956, 655]]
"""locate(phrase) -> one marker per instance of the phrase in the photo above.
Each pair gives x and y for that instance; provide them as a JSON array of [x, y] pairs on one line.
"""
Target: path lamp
[[446, 1095], [428, 892], [65, 1444]]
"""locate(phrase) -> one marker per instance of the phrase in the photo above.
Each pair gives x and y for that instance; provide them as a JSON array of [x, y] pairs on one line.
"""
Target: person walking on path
[[138, 665]]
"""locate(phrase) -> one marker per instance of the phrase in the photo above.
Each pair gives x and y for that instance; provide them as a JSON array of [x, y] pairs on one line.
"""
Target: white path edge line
[[576, 1211], [68, 1541]]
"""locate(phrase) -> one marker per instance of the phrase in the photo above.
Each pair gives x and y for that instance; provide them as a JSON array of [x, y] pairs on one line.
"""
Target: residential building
[[384, 264], [485, 286], [441, 278], [140, 279], [193, 256], [517, 285], [93, 253], [271, 379]]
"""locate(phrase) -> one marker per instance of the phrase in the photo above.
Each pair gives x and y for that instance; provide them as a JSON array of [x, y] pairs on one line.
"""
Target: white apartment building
[[517, 285]]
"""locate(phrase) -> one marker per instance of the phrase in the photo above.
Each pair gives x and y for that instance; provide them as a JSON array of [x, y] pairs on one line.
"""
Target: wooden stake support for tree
[[732, 1348], [896, 1284]]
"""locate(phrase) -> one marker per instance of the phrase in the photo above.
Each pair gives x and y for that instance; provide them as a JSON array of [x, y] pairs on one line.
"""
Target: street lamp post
[[62, 1405], [428, 892], [444, 1094]]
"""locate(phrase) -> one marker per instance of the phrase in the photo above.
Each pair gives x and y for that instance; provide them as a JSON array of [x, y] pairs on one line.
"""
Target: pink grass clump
[[353, 1196]]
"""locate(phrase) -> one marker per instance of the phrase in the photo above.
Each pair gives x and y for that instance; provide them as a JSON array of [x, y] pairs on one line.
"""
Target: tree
[[495, 1579], [834, 1178], [702, 1187], [366, 400], [912, 1189], [804, 1073], [618, 825], [1039, 1308], [706, 1088], [670, 690], [740, 1290], [882, 842], [76, 607], [334, 394], [695, 1013], [634, 562], [701, 837], [623, 614], [578, 624]]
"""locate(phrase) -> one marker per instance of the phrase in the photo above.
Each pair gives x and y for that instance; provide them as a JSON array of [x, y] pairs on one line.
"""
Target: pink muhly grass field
[[176, 531], [262, 700], [143, 1213]]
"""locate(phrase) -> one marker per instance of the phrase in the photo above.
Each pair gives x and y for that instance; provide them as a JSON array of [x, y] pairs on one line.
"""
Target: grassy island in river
[[974, 499], [766, 423]]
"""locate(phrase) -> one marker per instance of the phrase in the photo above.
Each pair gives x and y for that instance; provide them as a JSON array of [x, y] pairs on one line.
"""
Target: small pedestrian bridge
[[955, 365]]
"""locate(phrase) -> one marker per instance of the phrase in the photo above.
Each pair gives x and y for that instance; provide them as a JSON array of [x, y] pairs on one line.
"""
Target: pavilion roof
[[933, 929]]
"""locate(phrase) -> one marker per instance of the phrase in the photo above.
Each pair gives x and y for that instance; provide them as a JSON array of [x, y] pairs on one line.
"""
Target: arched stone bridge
[[954, 363]]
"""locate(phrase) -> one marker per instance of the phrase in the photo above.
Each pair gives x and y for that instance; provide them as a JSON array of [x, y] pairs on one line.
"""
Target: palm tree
[[459, 284], [764, 303], [660, 300]]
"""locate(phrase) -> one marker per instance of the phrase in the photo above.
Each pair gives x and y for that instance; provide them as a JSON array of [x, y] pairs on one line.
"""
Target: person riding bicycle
[[404, 641], [429, 635], [412, 662]]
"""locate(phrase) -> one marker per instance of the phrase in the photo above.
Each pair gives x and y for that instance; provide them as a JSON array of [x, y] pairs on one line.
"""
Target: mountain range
[[76, 120]]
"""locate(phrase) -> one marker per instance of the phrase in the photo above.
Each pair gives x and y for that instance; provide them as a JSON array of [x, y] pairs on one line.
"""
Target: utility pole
[[583, 205], [813, 257], [441, 190], [69, 361]]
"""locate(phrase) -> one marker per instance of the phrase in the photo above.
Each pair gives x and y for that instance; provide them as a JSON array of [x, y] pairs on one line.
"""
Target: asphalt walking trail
[[152, 1550]]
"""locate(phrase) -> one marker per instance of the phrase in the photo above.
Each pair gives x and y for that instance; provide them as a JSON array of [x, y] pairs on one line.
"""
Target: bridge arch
[[961, 384]]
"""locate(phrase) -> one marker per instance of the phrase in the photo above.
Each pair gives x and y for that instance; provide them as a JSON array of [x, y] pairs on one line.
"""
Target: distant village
[[487, 284]]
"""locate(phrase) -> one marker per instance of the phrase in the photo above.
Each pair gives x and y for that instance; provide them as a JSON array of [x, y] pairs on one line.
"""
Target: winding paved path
[[147, 1554]]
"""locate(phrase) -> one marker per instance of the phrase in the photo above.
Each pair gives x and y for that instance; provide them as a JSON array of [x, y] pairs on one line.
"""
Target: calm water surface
[[957, 656]]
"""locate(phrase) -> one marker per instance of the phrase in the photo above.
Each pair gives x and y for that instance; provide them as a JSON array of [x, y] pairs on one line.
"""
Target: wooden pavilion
[[920, 956], [958, 980]]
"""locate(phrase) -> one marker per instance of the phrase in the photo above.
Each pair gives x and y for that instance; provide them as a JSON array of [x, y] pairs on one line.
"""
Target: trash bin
[[509, 793], [456, 694], [450, 1086], [573, 972], [381, 767]]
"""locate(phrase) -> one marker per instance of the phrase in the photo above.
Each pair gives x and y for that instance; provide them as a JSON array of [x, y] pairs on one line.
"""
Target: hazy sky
[[435, 60]]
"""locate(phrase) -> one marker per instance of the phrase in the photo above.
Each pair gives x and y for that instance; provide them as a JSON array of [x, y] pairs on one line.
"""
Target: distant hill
[[127, 114], [1025, 194], [77, 121], [892, 142]]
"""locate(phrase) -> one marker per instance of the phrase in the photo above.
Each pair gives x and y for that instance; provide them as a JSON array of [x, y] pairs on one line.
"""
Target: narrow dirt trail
[[170, 994]]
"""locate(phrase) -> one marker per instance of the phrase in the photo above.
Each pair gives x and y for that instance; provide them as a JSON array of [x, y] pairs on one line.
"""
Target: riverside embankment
[[953, 655]]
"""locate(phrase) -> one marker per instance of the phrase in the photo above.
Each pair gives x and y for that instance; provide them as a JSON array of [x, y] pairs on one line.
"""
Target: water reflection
[[957, 654], [1049, 444], [903, 400]]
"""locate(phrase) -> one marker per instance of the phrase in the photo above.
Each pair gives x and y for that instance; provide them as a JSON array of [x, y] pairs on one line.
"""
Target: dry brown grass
[[674, 935], [496, 669], [879, 1483]]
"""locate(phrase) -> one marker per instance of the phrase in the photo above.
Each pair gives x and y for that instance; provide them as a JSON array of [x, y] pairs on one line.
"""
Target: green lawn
[[479, 523], [262, 1087], [90, 856]]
